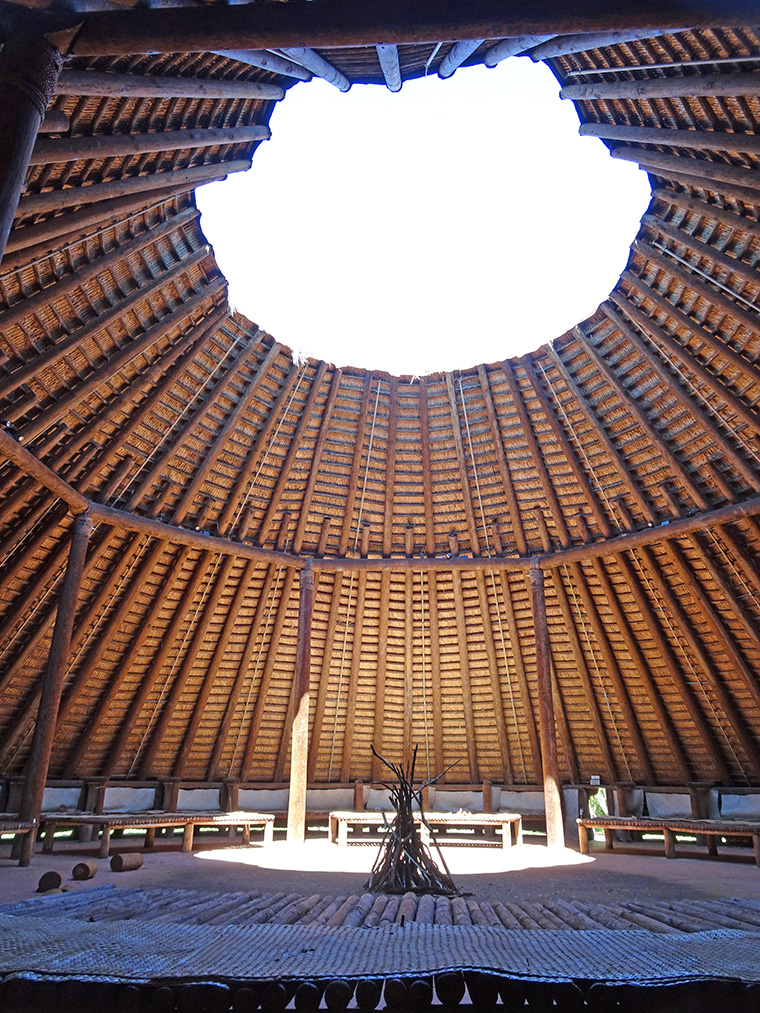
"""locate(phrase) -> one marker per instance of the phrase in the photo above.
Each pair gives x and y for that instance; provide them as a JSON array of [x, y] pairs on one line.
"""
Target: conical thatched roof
[[626, 453]]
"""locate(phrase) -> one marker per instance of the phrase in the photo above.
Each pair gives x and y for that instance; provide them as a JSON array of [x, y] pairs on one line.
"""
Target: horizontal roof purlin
[[126, 521]]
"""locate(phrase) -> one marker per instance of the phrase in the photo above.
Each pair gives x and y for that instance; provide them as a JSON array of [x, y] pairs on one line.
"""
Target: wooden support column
[[29, 69], [44, 729], [299, 750], [555, 832]]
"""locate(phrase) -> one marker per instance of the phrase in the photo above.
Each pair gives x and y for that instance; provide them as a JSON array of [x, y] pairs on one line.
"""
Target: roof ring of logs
[[574, 528]]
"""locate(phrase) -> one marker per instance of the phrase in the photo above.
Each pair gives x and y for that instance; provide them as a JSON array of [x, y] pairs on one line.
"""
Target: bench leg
[[756, 847], [105, 842], [670, 843], [506, 835], [583, 839], [711, 840], [268, 831], [342, 834], [246, 833], [47, 843], [187, 837], [150, 837], [609, 839]]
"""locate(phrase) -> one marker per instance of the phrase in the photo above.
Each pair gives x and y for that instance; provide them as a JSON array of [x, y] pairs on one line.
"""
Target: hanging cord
[[109, 601], [513, 706], [696, 678], [681, 260], [55, 580], [424, 672], [94, 235], [254, 676], [340, 676], [251, 485], [351, 584], [591, 651], [734, 429], [749, 592], [28, 535], [180, 415], [581, 449], [191, 626]]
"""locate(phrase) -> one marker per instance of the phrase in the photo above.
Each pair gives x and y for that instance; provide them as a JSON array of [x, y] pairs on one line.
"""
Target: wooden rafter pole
[[52, 683], [29, 69], [30, 465], [555, 833], [299, 749], [329, 23]]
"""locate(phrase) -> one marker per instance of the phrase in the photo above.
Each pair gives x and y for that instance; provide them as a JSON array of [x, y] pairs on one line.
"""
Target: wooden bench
[[510, 823], [151, 821], [12, 825], [710, 829]]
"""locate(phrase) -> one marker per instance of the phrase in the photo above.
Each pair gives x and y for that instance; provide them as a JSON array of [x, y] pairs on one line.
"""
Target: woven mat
[[64, 945]]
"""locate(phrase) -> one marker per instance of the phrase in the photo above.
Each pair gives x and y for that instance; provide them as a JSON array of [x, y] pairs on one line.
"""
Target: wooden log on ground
[[84, 870], [126, 862], [51, 880]]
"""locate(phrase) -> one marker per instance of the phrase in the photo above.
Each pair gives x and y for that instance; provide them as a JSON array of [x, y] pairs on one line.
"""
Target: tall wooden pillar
[[555, 831], [52, 683], [29, 69], [299, 743]]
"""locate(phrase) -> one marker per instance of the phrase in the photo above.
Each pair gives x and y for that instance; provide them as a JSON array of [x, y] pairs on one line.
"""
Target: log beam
[[512, 47], [90, 82], [330, 23], [29, 66], [30, 465], [555, 832], [70, 196], [693, 86], [299, 750], [389, 64], [266, 61], [318, 66], [700, 140], [456, 56], [562, 45], [52, 684], [70, 149]]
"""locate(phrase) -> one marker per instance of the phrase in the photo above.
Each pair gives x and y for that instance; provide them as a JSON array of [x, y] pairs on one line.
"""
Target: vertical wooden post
[[299, 747], [555, 833], [29, 69], [52, 683]]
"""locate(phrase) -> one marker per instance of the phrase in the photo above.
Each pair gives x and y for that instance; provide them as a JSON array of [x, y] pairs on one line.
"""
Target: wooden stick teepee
[[404, 862]]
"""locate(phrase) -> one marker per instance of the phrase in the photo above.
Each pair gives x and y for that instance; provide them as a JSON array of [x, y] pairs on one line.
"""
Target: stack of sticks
[[404, 862]]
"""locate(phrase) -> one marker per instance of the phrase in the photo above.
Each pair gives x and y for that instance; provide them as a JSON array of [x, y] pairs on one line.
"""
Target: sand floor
[[529, 872]]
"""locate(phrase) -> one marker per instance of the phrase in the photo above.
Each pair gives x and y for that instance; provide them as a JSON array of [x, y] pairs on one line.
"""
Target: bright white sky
[[453, 223]]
